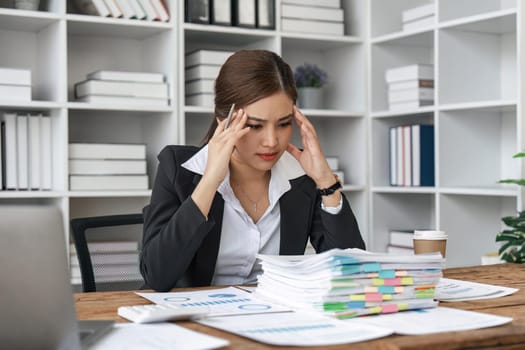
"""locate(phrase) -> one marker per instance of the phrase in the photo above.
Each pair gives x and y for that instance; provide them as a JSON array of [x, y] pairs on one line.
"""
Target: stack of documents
[[352, 282]]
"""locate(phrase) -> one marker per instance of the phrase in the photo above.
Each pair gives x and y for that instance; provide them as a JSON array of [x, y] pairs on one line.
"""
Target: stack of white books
[[150, 10], [107, 167], [112, 261], [123, 88], [410, 87], [26, 152], [419, 17], [201, 69], [312, 17], [401, 242], [351, 282], [15, 84]]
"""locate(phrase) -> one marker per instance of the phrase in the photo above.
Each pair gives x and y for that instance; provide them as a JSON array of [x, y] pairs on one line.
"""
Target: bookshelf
[[61, 46], [475, 49]]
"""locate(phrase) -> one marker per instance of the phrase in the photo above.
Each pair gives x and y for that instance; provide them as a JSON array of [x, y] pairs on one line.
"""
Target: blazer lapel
[[296, 206], [206, 256]]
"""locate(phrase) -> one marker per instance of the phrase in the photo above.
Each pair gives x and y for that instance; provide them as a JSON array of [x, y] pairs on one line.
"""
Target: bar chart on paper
[[219, 302]]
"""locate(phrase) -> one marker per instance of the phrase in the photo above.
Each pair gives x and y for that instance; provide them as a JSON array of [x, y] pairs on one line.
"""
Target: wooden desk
[[104, 305]]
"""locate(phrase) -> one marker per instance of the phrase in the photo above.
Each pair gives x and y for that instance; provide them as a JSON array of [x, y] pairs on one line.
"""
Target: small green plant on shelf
[[512, 240]]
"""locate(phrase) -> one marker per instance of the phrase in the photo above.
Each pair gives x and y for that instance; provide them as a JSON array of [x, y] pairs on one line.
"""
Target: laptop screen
[[37, 301]]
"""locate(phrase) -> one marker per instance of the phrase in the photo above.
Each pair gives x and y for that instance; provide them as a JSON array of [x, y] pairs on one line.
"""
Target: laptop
[[35, 293]]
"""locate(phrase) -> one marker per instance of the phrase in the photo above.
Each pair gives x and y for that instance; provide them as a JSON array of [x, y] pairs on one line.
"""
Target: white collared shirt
[[241, 238]]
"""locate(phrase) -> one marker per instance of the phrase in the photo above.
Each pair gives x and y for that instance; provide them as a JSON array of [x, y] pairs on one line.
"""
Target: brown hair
[[246, 77]]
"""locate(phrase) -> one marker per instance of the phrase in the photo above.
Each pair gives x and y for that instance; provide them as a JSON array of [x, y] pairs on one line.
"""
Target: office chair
[[79, 227]]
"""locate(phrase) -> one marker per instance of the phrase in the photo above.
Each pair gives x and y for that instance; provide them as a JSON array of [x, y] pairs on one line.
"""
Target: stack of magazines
[[351, 282]]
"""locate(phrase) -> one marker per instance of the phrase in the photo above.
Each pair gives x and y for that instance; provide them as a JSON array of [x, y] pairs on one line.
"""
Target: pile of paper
[[352, 282]]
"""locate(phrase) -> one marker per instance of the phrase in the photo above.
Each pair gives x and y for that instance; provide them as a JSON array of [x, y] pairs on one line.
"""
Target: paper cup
[[430, 241]]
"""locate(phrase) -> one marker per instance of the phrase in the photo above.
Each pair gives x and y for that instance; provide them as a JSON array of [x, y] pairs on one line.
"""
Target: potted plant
[[309, 79], [513, 238]]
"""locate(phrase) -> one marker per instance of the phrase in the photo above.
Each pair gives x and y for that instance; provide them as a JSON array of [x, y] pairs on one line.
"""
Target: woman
[[247, 191]]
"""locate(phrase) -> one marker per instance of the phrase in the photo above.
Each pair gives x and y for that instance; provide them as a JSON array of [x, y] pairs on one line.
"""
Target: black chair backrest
[[79, 227]]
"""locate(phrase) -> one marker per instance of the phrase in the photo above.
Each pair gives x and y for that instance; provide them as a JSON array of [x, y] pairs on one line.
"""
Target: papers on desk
[[436, 320], [351, 282], [219, 302], [130, 336], [457, 290], [296, 329]]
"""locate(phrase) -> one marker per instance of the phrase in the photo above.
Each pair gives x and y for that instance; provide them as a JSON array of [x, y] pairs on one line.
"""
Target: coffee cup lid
[[430, 234]]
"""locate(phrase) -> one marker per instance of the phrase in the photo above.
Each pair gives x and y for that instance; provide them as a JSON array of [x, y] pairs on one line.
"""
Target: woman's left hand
[[311, 158]]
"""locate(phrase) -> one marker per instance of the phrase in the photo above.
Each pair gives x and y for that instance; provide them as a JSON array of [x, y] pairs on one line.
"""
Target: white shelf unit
[[60, 47], [474, 46]]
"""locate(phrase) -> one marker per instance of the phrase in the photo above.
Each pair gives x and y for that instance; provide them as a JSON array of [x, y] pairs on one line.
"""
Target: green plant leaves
[[520, 182], [513, 247], [513, 241]]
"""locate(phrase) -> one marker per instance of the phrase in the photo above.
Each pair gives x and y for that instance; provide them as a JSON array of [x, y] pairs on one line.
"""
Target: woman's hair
[[246, 77]]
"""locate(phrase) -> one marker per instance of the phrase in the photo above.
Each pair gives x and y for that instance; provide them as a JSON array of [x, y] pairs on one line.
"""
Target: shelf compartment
[[472, 225], [476, 147], [155, 130], [38, 48], [344, 139], [477, 64], [195, 125], [453, 9], [345, 67], [400, 211], [386, 16], [354, 23], [90, 52], [491, 23], [392, 54], [380, 142]]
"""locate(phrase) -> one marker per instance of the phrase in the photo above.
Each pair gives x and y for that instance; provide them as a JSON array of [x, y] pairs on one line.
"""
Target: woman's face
[[270, 122]]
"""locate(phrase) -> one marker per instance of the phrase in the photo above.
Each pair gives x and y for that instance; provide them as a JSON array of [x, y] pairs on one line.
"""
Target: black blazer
[[180, 247]]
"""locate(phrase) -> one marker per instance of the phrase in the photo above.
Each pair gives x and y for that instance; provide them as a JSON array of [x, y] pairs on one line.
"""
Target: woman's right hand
[[222, 144]]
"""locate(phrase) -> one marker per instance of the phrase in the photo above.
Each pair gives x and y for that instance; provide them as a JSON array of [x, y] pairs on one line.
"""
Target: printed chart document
[[219, 302], [158, 336], [296, 329], [436, 320], [457, 290]]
